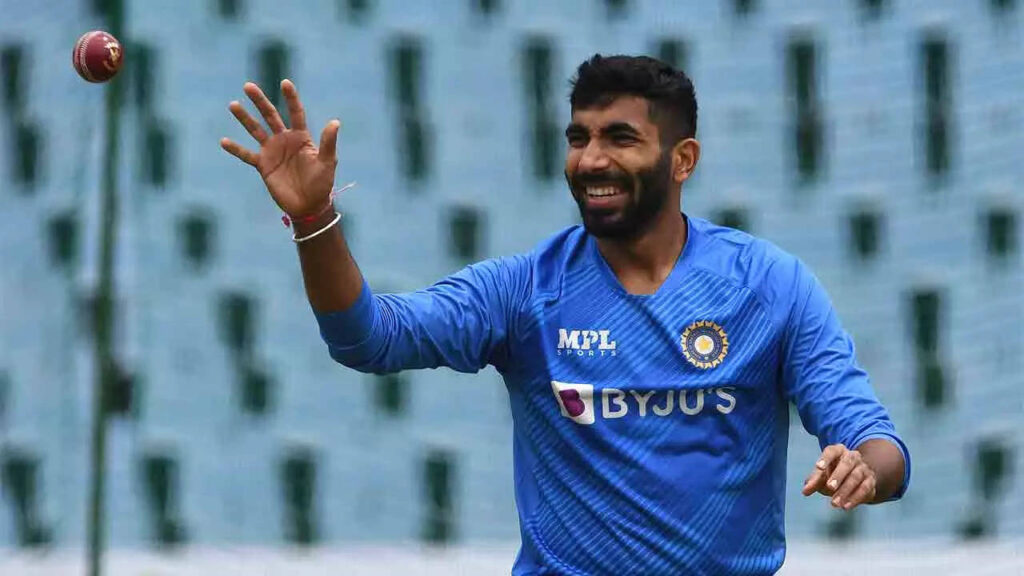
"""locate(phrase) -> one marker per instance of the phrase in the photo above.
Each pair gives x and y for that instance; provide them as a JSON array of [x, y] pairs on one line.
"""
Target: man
[[649, 356]]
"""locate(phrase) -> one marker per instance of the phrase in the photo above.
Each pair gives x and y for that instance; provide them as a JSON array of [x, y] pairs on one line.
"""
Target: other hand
[[843, 475]]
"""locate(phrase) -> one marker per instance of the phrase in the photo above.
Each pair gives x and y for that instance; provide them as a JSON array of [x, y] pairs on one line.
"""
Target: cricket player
[[650, 356]]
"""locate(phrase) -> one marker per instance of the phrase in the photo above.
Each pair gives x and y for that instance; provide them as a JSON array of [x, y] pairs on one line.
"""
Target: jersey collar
[[674, 277]]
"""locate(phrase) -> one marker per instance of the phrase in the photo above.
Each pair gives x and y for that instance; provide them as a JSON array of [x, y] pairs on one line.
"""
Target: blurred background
[[882, 141]]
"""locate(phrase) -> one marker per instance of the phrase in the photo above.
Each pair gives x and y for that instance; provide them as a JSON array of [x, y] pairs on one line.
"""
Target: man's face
[[616, 169]]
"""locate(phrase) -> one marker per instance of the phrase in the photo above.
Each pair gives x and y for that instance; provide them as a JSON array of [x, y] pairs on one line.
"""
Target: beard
[[646, 193]]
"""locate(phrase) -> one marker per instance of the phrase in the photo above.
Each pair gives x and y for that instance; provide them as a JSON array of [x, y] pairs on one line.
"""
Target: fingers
[[860, 481], [259, 99], [829, 455], [850, 483], [329, 141], [237, 151], [847, 462], [295, 110], [826, 462], [815, 482], [844, 475], [863, 494], [251, 125]]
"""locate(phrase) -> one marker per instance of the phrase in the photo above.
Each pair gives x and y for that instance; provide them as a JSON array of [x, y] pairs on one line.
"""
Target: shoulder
[[551, 258], [560, 246], [524, 275], [755, 263]]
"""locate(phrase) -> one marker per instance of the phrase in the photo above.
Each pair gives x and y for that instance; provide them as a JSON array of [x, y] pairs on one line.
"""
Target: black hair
[[669, 92]]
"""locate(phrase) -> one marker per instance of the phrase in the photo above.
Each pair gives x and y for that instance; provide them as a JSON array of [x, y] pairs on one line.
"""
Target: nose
[[593, 158]]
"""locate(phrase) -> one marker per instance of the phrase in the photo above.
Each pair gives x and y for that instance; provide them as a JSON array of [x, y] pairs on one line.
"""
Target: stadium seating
[[238, 428]]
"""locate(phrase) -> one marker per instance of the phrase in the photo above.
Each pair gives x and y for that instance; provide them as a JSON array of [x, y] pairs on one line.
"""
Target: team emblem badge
[[704, 344]]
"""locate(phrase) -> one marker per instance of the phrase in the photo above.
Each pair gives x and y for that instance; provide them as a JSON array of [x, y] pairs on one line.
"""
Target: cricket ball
[[97, 56]]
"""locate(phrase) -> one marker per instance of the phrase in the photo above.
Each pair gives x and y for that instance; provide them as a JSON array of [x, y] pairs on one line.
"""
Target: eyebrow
[[613, 128]]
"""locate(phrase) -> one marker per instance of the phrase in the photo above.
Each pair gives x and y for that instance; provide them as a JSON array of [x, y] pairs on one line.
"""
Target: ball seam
[[82, 51]]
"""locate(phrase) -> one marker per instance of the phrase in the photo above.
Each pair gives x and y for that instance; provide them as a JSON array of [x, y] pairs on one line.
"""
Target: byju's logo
[[575, 400], [585, 343], [582, 405]]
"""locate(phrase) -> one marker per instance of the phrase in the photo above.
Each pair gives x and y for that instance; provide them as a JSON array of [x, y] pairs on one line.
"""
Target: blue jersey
[[650, 431]]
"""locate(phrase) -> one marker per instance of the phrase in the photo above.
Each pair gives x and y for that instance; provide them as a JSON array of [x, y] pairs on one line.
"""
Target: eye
[[624, 138], [576, 140]]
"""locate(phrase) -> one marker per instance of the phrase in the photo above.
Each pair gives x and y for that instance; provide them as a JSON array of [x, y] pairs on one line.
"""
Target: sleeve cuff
[[351, 326], [906, 460]]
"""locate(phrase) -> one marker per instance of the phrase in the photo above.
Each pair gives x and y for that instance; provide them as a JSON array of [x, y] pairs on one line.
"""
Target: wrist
[[315, 216], [290, 219], [885, 459], [306, 227]]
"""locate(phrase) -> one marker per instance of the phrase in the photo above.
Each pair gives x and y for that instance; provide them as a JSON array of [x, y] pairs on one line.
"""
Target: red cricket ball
[[97, 56]]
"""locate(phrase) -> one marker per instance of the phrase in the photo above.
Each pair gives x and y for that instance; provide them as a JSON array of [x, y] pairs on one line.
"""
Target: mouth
[[606, 196]]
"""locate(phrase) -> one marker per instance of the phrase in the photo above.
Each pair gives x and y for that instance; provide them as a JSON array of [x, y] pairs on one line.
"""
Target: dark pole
[[103, 319]]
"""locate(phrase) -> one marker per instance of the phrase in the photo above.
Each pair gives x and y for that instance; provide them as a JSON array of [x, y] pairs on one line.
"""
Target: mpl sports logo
[[577, 401], [585, 343]]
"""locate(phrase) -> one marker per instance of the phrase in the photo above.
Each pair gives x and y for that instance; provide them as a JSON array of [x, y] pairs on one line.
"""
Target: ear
[[685, 155]]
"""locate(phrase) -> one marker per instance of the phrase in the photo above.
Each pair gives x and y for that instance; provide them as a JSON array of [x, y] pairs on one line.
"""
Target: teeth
[[602, 191]]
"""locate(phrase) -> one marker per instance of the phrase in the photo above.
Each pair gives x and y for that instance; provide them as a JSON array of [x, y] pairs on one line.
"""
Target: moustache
[[602, 178]]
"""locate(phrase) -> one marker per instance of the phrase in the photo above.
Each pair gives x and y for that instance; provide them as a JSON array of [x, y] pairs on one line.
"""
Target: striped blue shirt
[[650, 431]]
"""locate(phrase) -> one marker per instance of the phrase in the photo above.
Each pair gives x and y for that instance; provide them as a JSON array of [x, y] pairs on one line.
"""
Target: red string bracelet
[[288, 220]]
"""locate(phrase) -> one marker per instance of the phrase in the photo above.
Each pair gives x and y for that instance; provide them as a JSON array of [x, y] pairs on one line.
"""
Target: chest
[[699, 336]]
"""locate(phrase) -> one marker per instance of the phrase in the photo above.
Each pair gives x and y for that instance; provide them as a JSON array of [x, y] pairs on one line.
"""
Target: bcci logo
[[704, 344]]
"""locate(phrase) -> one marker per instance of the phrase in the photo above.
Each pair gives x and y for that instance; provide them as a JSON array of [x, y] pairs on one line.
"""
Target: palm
[[297, 179], [298, 175]]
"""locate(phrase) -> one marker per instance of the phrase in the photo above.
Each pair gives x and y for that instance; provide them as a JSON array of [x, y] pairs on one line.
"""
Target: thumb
[[329, 141]]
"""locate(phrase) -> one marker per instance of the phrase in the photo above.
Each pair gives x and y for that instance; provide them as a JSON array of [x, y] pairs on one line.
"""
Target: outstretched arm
[[461, 322], [300, 177], [465, 321]]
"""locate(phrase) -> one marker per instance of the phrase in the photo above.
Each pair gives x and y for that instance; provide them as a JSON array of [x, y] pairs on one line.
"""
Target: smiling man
[[649, 356]]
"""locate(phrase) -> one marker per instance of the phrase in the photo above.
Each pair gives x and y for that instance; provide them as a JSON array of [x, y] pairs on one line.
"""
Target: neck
[[643, 263]]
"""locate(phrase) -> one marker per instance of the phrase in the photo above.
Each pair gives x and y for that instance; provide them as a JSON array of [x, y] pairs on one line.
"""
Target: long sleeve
[[463, 322], [833, 394]]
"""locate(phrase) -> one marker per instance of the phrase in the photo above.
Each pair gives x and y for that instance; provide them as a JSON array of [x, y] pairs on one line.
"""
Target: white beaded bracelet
[[337, 216]]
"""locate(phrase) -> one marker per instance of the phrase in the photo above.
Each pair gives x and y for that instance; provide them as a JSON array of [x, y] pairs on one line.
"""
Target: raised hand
[[298, 175], [843, 475]]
